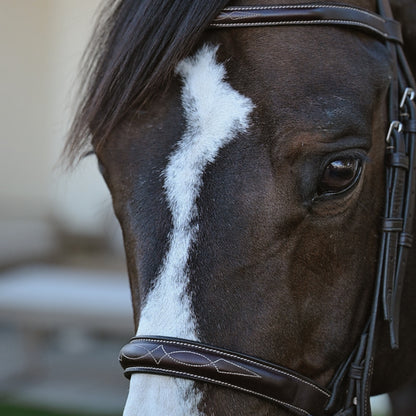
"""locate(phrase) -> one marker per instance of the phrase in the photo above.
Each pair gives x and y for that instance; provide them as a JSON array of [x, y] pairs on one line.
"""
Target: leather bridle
[[349, 391]]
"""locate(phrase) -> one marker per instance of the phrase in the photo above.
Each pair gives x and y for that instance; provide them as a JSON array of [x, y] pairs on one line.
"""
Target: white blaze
[[214, 114]]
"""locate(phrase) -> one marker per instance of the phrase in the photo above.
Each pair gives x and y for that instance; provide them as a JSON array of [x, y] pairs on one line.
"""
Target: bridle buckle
[[394, 125], [408, 93]]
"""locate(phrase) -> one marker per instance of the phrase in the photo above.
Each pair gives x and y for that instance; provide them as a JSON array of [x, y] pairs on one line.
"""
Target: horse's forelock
[[133, 52]]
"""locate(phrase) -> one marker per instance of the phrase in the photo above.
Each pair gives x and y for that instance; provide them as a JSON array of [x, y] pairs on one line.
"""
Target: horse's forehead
[[296, 77], [286, 100], [297, 56], [294, 72]]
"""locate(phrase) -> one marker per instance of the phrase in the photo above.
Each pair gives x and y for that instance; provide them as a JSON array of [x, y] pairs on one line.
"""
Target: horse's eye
[[339, 176]]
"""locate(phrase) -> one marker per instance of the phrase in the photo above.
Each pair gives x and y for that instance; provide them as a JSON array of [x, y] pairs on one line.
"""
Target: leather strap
[[196, 361], [401, 182], [309, 14]]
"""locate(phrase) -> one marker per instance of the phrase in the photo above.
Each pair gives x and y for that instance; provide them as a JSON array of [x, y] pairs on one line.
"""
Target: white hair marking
[[214, 114]]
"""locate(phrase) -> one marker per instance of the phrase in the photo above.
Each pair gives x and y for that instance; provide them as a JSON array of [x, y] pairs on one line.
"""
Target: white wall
[[23, 92], [41, 42]]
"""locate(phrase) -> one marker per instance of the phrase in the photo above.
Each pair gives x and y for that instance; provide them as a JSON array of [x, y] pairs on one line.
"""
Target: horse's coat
[[215, 113]]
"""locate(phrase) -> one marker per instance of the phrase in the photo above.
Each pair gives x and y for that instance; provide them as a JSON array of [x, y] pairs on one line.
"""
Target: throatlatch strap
[[195, 361]]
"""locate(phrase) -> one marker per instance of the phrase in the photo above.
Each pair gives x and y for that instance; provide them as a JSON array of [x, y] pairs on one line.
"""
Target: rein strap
[[193, 360]]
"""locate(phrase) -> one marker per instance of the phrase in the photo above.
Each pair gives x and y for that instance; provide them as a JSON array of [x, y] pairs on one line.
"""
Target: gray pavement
[[68, 371], [61, 329]]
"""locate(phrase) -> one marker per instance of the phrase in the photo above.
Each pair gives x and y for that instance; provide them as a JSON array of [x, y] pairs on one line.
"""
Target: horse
[[245, 146]]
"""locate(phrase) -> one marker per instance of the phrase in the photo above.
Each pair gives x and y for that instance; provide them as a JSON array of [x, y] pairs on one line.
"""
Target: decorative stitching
[[231, 15], [245, 373], [303, 6], [302, 22], [203, 348], [210, 380]]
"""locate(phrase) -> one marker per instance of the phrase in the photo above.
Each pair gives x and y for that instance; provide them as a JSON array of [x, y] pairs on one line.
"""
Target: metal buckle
[[408, 92], [394, 125]]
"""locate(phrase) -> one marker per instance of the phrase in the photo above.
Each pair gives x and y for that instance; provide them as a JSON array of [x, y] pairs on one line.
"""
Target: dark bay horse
[[247, 170]]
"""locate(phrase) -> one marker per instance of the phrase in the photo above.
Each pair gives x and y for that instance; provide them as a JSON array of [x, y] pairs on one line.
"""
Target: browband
[[196, 361], [309, 14]]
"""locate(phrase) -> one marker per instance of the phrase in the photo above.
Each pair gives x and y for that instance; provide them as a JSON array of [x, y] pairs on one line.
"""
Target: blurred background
[[64, 299]]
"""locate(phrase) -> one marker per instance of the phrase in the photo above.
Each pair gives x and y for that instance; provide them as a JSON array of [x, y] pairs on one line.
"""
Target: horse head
[[246, 168]]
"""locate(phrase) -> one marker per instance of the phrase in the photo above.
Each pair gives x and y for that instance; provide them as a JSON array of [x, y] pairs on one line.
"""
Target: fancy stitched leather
[[309, 14], [186, 359]]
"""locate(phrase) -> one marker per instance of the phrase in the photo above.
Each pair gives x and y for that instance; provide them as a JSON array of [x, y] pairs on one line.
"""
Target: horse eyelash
[[364, 157]]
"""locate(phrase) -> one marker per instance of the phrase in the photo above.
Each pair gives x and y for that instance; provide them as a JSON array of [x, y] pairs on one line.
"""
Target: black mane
[[133, 52]]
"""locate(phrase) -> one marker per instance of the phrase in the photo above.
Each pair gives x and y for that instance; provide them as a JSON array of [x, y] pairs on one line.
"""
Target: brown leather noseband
[[349, 391], [199, 362]]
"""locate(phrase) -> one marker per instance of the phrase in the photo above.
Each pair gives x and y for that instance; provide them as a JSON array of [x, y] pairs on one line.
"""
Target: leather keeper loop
[[410, 126], [392, 224], [406, 240], [398, 160], [356, 372], [392, 26]]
